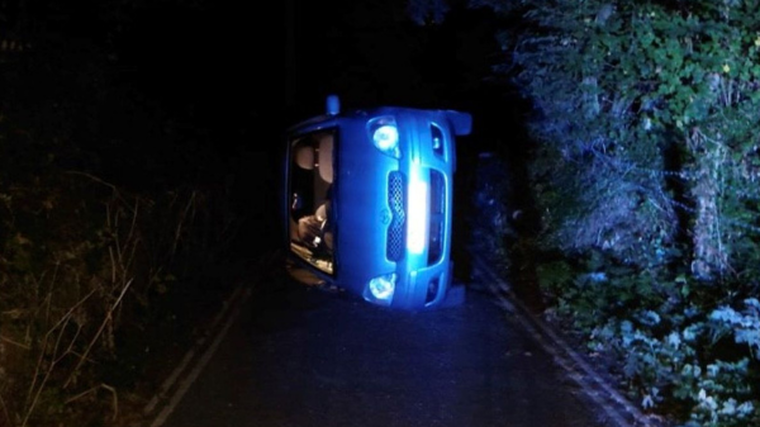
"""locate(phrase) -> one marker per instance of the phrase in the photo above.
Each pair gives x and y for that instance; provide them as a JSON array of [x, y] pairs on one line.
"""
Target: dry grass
[[81, 259]]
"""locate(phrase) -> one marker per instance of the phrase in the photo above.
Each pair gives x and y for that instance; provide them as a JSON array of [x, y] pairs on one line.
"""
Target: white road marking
[[237, 299], [188, 381], [169, 382]]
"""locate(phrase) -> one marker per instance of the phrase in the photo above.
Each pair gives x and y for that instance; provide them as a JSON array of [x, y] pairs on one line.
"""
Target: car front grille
[[394, 250]]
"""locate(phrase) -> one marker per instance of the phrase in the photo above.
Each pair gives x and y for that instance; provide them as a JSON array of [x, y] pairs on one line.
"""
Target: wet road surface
[[299, 356]]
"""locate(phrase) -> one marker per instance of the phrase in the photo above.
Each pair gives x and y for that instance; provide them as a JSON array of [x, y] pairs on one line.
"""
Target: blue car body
[[380, 184]]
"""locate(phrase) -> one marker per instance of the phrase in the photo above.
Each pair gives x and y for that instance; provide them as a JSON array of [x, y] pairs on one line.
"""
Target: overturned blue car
[[369, 201]]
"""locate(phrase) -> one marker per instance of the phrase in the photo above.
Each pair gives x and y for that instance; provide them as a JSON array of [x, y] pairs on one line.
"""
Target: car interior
[[311, 178]]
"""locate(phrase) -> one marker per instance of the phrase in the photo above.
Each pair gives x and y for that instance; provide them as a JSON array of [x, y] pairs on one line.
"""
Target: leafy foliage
[[86, 264], [673, 338], [645, 172], [642, 109], [744, 326]]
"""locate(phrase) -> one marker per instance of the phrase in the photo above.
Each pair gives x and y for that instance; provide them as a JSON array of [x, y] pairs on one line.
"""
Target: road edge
[[160, 407], [595, 389]]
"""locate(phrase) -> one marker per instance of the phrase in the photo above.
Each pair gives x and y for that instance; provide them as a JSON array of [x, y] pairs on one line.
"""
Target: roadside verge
[[160, 407], [617, 410]]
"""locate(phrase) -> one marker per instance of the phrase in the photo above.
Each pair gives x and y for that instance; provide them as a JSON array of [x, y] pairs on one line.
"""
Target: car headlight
[[384, 134], [381, 288]]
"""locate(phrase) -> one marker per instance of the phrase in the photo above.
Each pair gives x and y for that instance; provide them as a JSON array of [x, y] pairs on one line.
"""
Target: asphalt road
[[299, 356]]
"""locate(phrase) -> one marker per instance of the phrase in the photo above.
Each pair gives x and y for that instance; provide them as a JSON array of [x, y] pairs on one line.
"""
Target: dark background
[[230, 74], [157, 94], [231, 78]]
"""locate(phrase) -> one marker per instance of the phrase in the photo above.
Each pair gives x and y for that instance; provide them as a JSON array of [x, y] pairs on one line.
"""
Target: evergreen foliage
[[645, 170]]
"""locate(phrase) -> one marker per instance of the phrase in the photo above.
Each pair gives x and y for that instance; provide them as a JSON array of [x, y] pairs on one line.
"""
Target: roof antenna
[[333, 105]]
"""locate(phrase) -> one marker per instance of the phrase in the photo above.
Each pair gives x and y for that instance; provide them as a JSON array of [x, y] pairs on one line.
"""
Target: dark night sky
[[371, 53], [206, 88], [228, 67], [239, 73]]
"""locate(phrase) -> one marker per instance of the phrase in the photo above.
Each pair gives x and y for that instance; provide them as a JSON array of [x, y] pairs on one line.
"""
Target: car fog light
[[382, 287]]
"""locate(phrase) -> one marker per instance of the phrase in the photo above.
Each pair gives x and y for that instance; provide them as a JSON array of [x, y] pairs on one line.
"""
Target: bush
[[645, 174], [680, 347], [86, 264]]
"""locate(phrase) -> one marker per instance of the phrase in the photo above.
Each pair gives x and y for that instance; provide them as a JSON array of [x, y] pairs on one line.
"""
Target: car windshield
[[311, 174]]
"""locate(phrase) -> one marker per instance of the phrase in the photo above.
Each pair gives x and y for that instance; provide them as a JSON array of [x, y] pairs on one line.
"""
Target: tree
[[631, 97], [645, 144]]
